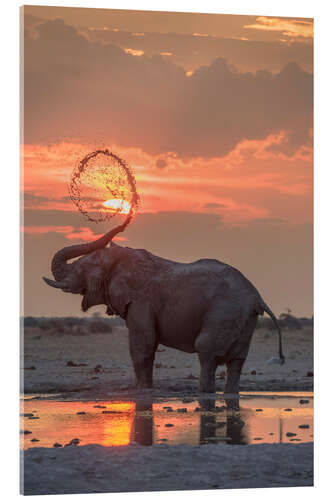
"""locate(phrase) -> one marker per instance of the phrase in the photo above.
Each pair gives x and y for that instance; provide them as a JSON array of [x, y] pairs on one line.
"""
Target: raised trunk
[[59, 264]]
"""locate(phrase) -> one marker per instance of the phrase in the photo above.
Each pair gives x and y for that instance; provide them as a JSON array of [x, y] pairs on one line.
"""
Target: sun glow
[[118, 205]]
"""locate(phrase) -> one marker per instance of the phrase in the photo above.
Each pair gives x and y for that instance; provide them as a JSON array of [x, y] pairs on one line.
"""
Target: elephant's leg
[[231, 390], [237, 357], [207, 374], [142, 343], [143, 363]]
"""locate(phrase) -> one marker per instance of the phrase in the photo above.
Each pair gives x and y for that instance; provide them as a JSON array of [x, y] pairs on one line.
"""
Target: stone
[[287, 409], [74, 442], [304, 426], [99, 406], [290, 434], [57, 445], [34, 440], [259, 409], [182, 410], [81, 413], [303, 401], [168, 425]]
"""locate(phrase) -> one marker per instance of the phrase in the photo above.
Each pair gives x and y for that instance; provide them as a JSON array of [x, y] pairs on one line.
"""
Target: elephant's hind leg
[[236, 359]]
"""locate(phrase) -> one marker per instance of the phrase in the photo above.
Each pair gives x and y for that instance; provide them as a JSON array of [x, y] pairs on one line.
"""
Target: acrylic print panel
[[168, 192]]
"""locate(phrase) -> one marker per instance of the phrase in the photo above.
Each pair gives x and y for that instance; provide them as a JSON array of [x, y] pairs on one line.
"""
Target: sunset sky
[[213, 112]]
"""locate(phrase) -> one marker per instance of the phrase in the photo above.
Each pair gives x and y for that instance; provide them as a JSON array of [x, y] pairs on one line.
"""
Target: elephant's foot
[[232, 401]]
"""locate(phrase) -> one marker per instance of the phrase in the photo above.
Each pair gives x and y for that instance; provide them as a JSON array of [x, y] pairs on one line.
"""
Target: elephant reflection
[[231, 427]]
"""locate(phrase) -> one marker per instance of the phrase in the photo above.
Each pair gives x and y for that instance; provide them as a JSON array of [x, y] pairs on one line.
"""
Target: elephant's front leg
[[142, 344], [142, 359]]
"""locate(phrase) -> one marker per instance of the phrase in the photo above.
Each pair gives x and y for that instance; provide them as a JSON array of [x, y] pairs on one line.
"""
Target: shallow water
[[124, 422]]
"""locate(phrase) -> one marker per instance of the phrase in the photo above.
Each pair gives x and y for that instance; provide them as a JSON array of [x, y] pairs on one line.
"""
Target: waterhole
[[262, 418]]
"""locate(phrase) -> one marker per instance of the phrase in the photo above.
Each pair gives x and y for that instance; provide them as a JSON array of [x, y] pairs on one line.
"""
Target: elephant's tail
[[276, 323]]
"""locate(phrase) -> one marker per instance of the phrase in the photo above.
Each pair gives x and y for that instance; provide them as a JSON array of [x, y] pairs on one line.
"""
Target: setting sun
[[115, 204]]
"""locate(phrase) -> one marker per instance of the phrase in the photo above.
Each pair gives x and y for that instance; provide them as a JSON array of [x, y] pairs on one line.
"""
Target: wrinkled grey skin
[[205, 307]]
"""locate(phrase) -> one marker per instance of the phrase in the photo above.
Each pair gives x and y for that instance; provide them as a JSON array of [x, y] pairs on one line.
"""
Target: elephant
[[205, 307]]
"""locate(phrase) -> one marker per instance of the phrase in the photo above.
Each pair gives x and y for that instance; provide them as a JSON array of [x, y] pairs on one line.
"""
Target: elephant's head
[[85, 275]]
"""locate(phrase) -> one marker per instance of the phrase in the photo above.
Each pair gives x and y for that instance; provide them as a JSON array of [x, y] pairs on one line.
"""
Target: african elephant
[[205, 307]]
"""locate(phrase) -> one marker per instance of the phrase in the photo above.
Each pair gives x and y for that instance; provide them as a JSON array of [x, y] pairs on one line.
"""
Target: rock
[[34, 440], [271, 433], [71, 363], [182, 410], [167, 407], [57, 445], [259, 409], [303, 401], [295, 439], [168, 425], [290, 434], [257, 439], [288, 409], [74, 442], [170, 409], [304, 426], [253, 372], [26, 432], [26, 414], [80, 412], [33, 418], [99, 406]]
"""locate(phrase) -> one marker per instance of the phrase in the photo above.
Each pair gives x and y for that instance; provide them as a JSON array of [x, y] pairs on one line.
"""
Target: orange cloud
[[291, 28], [134, 52], [71, 233]]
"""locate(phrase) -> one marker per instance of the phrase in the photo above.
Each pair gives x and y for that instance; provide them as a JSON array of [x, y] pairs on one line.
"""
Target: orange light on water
[[118, 205]]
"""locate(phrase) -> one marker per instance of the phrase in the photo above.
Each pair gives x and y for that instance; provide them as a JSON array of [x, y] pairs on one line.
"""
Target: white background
[[322, 11]]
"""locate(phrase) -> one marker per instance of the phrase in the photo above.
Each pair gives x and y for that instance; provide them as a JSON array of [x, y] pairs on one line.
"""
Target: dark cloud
[[79, 89], [213, 205], [161, 163], [191, 52]]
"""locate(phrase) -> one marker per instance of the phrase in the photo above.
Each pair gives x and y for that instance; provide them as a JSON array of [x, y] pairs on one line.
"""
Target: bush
[[70, 325]]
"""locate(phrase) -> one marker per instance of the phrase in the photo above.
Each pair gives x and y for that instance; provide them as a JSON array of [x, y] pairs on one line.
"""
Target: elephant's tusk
[[55, 284]]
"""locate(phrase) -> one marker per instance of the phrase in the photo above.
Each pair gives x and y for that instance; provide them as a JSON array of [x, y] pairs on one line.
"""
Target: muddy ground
[[98, 366]]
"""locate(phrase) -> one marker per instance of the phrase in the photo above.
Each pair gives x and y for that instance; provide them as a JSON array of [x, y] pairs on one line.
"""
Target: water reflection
[[147, 422]]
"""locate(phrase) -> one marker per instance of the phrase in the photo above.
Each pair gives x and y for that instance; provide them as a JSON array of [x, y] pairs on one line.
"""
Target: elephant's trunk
[[59, 264]]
